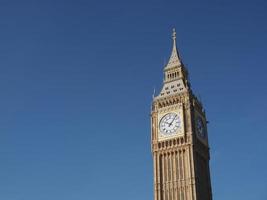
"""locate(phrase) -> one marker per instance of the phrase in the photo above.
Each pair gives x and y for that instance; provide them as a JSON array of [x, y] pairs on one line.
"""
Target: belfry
[[179, 137]]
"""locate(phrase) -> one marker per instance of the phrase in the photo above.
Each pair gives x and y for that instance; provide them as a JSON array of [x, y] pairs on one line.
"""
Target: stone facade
[[179, 138]]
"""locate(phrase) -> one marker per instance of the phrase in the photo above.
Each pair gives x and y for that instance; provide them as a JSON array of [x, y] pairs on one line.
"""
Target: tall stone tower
[[179, 138]]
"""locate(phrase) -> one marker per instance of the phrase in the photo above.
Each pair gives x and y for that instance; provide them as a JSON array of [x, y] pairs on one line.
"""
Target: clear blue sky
[[76, 82]]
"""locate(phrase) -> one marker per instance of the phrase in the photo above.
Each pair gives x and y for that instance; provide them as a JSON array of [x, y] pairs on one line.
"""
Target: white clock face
[[170, 124]]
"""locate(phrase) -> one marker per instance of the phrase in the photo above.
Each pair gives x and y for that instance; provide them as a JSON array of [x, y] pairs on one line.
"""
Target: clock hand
[[172, 120]]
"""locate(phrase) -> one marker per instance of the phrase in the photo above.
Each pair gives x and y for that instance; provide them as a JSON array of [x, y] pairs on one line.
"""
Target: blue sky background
[[76, 80]]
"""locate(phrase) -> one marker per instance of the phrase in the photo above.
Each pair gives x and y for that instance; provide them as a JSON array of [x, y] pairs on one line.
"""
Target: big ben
[[179, 137]]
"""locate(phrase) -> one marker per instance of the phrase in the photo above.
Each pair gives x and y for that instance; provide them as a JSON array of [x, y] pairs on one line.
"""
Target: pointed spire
[[174, 59]]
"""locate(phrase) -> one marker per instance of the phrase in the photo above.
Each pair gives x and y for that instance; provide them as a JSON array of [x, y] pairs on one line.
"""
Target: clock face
[[200, 128], [170, 124]]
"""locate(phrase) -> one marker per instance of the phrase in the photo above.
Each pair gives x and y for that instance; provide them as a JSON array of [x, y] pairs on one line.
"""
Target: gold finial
[[173, 34]]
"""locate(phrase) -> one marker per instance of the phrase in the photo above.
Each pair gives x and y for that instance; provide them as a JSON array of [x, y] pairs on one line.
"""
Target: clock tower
[[179, 137]]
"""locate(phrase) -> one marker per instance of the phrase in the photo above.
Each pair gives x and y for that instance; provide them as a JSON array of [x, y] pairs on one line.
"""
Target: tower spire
[[174, 60]]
